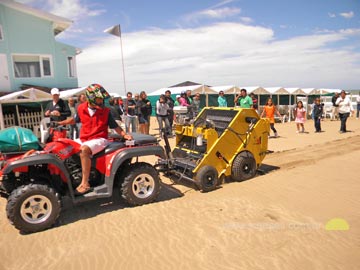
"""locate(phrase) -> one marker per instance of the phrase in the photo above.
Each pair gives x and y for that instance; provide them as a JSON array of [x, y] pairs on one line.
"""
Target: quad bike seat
[[139, 139], [119, 142], [113, 146]]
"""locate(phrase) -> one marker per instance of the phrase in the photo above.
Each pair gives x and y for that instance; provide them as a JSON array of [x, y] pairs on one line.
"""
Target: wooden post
[[1, 118]]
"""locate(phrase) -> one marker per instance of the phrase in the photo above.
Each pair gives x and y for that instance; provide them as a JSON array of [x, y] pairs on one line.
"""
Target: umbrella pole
[[18, 115], [289, 120], [2, 124]]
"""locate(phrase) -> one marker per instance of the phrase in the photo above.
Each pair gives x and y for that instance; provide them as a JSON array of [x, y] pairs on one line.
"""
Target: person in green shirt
[[222, 100], [243, 100], [177, 102]]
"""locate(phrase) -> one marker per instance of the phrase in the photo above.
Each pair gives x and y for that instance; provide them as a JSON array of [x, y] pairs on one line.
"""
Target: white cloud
[[219, 13], [332, 15], [221, 54], [25, 1], [72, 9], [223, 3], [246, 19], [347, 15]]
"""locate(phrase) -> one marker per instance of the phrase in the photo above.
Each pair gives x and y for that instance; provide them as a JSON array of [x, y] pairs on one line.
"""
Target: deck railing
[[30, 120]]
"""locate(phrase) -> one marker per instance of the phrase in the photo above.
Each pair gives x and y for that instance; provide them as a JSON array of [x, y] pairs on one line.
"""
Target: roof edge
[[60, 23]]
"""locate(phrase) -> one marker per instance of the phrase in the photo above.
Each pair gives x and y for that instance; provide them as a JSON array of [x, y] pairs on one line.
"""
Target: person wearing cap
[[345, 108], [95, 120], [222, 102], [57, 109], [243, 100], [177, 101]]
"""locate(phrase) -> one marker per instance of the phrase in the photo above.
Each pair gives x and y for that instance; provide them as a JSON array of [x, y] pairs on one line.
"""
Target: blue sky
[[232, 42]]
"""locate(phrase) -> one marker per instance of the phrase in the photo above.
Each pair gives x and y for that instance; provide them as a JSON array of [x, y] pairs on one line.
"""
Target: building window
[[46, 66], [71, 66], [1, 33], [32, 66]]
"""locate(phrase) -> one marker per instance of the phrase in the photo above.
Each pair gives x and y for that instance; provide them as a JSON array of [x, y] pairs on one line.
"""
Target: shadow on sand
[[71, 213]]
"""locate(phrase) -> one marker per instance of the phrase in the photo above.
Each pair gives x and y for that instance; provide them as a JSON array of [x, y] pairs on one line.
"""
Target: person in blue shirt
[[317, 112], [222, 102]]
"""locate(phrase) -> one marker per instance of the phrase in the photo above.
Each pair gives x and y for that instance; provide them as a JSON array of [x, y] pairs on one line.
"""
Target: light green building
[[29, 52]]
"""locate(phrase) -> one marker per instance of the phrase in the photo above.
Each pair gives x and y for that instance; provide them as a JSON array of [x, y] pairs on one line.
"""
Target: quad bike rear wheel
[[141, 184], [207, 178], [243, 167], [34, 207]]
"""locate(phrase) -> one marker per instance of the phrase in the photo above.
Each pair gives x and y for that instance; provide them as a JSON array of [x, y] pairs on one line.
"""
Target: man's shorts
[[96, 145], [143, 120]]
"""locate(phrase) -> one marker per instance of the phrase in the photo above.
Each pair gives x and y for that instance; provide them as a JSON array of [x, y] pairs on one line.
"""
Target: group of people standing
[[134, 112], [59, 110], [342, 109], [165, 108]]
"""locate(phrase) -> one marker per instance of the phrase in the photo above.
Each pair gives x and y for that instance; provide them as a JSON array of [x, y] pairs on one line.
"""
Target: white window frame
[[42, 67], [71, 66], [1, 33], [41, 58]]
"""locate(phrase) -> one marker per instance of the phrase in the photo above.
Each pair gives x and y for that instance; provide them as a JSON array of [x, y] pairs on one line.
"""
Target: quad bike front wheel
[[141, 184], [34, 207]]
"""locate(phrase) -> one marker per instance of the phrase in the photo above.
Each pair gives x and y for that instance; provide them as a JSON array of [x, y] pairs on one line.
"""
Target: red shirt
[[93, 127]]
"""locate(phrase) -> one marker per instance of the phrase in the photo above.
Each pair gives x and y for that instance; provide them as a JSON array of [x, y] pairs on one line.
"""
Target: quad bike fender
[[129, 153], [55, 165]]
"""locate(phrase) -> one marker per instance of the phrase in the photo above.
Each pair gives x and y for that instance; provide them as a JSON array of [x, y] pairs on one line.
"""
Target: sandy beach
[[281, 219]]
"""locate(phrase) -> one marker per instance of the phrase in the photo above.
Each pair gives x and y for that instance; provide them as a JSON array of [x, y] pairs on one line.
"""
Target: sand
[[276, 220]]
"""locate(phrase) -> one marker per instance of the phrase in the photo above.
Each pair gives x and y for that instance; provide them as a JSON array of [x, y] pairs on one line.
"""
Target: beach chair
[[328, 112], [44, 129]]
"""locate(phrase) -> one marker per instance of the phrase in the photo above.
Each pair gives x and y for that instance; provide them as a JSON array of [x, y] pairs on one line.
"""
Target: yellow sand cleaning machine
[[219, 143]]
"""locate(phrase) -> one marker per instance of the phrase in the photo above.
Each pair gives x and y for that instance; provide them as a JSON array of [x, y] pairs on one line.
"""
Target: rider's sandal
[[81, 190]]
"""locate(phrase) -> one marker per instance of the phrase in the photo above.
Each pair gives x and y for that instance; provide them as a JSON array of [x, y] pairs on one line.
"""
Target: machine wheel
[[33, 208], [243, 167], [141, 184], [207, 178]]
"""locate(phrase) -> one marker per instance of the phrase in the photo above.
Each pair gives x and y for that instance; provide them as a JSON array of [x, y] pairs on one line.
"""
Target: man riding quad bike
[[35, 182]]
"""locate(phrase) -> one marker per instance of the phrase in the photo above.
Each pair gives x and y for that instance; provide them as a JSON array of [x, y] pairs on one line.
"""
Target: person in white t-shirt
[[358, 106], [345, 109]]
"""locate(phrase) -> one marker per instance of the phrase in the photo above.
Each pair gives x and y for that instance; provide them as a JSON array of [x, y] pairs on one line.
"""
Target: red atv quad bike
[[35, 182]]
